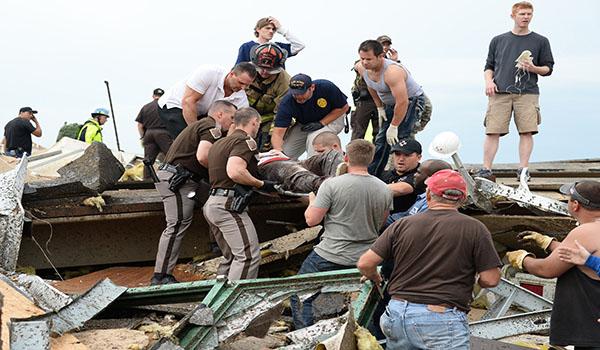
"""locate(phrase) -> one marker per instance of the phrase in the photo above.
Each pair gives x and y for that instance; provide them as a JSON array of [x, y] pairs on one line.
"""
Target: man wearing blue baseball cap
[[316, 106]]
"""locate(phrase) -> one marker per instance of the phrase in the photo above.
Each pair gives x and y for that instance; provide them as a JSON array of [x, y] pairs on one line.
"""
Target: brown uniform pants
[[179, 211], [236, 236]]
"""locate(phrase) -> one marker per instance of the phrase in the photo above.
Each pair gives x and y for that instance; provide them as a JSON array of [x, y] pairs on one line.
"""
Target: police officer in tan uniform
[[233, 173], [186, 164]]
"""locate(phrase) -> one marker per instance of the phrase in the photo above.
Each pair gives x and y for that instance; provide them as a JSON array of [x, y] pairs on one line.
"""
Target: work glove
[[392, 135], [381, 115], [539, 239], [515, 258], [314, 126], [268, 186]]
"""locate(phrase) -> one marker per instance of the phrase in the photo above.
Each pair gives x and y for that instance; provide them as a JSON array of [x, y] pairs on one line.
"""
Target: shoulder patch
[[216, 132], [321, 102], [251, 144]]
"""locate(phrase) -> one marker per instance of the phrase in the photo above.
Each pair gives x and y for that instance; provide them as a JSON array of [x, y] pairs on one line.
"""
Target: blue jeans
[[416, 106], [412, 326], [312, 263]]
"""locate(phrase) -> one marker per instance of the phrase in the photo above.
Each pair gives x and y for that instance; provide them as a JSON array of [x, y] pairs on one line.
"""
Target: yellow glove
[[515, 258], [539, 239]]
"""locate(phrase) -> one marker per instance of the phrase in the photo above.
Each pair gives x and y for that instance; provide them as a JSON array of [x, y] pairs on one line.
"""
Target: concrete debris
[[94, 172], [11, 214], [81, 309], [344, 339], [29, 335], [44, 295], [311, 336]]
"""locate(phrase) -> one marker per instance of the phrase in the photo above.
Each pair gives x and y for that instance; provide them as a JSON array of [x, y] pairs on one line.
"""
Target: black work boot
[[157, 279]]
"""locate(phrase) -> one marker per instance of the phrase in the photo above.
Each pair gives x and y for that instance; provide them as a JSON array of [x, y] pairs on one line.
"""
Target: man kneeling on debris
[[577, 298], [352, 207], [304, 176], [185, 166], [437, 255]]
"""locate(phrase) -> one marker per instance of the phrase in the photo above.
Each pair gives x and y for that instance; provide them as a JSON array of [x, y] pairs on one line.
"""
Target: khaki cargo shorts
[[526, 109]]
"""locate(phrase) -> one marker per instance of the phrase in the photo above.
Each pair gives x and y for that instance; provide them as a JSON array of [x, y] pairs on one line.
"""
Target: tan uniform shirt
[[183, 150], [239, 144]]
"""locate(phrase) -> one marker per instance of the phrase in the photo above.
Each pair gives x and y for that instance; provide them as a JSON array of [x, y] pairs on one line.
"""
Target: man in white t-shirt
[[191, 98]]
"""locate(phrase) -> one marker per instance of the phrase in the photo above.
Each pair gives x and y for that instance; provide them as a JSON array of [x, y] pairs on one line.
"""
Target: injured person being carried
[[300, 176]]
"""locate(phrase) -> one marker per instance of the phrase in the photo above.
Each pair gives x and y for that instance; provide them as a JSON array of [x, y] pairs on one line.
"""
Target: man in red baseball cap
[[437, 255]]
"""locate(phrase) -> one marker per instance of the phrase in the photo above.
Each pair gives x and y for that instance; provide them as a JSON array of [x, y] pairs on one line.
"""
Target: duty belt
[[224, 192], [173, 170], [168, 167]]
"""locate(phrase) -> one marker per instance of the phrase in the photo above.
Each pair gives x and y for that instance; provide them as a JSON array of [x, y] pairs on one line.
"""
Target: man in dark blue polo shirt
[[315, 106]]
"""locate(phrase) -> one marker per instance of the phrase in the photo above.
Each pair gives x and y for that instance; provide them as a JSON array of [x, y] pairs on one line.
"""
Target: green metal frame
[[225, 298]]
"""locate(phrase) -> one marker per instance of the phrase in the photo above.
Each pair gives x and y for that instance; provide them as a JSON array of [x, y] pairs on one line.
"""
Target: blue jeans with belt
[[409, 326], [416, 106]]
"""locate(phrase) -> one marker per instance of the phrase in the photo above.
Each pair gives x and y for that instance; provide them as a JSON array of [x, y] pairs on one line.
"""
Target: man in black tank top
[[577, 298]]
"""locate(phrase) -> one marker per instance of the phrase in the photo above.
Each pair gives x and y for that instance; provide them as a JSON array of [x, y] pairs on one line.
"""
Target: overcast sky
[[56, 55]]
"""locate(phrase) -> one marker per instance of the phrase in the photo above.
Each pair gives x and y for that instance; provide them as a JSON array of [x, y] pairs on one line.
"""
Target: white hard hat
[[444, 145]]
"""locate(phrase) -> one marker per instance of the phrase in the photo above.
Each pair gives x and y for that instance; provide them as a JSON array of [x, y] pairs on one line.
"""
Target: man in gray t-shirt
[[515, 59], [353, 207]]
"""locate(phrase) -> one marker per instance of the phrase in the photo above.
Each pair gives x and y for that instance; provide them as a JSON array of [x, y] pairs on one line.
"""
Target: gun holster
[[179, 178], [241, 199]]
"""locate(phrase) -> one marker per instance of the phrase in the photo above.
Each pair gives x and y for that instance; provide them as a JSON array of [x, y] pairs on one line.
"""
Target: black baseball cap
[[571, 190], [27, 109], [158, 92], [299, 84], [407, 146]]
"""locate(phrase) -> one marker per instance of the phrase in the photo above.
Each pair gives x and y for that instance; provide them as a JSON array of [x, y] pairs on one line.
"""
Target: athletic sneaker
[[486, 174], [527, 177]]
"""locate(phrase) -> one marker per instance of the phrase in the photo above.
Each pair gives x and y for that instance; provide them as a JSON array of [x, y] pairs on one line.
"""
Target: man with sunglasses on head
[[268, 89], [189, 99], [577, 298], [315, 106]]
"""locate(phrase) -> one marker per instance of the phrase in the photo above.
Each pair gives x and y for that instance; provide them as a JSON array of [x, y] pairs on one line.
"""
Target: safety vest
[[91, 131]]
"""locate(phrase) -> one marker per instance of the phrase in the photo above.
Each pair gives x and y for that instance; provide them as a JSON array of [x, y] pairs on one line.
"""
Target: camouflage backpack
[[69, 130]]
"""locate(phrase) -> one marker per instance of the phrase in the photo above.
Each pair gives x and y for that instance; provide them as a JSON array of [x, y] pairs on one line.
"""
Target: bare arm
[[277, 138], [314, 215], [530, 67], [333, 115], [188, 104], [38, 129], [202, 153], [490, 86], [395, 78], [367, 265], [489, 278], [141, 129], [552, 266], [237, 170]]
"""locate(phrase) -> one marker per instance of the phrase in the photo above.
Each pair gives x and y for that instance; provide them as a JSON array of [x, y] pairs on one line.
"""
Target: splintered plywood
[[15, 305], [67, 342]]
